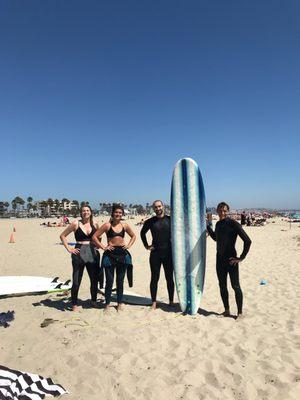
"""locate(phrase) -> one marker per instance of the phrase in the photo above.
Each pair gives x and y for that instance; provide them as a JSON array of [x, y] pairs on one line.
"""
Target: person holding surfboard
[[226, 232], [160, 250], [84, 254], [116, 255]]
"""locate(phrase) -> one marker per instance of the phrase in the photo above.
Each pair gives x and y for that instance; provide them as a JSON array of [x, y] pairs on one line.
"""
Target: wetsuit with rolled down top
[[88, 257], [118, 259], [116, 255], [226, 232]]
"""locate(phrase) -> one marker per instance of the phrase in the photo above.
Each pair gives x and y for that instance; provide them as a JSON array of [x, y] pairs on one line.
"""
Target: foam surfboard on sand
[[188, 231], [27, 285], [133, 298]]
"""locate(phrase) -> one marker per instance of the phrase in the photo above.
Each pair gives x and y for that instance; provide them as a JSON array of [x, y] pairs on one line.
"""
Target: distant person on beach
[[65, 220], [243, 218], [225, 235], [248, 220], [84, 254], [160, 250], [116, 255]]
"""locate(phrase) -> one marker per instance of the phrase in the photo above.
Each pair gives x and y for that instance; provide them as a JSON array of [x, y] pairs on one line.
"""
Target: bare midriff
[[117, 241]]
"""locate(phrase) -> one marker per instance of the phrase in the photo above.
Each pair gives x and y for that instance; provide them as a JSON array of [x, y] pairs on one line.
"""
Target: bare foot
[[120, 307], [153, 307], [240, 317], [226, 313], [75, 308], [106, 309]]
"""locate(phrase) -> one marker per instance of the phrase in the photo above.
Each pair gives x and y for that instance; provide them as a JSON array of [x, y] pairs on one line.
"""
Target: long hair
[[91, 216]]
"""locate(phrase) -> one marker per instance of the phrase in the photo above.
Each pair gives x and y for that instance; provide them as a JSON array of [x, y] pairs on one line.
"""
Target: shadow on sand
[[65, 304]]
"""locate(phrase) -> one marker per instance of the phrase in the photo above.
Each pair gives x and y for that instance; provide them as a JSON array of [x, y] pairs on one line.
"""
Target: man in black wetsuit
[[160, 250], [225, 235]]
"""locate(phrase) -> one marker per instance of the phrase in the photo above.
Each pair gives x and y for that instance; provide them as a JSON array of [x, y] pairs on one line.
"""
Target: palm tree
[[29, 203], [17, 201], [75, 203], [50, 203], [3, 207], [14, 205]]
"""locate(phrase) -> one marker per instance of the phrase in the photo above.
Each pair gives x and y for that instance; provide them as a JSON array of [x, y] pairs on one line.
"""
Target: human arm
[[209, 228], [132, 236], [144, 230], [96, 238], [63, 237], [247, 243]]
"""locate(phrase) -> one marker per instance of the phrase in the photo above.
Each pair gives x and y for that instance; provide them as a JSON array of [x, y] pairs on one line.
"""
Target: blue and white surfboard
[[188, 224]]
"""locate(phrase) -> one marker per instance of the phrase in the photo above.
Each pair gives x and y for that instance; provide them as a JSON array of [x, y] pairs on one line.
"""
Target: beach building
[[68, 205]]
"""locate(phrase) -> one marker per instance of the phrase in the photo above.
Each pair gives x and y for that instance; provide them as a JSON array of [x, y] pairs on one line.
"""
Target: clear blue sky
[[99, 99]]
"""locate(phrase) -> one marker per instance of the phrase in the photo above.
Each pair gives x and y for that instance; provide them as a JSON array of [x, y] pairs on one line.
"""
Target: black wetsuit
[[161, 254], [88, 257], [225, 234]]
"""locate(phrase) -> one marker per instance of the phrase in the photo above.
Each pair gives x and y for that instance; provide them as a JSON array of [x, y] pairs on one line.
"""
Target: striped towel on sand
[[17, 385]]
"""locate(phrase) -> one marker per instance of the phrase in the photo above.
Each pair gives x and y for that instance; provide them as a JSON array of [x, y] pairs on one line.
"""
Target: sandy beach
[[144, 354]]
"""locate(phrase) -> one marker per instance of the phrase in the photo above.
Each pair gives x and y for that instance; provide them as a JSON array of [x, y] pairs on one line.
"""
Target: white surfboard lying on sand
[[130, 297], [28, 285]]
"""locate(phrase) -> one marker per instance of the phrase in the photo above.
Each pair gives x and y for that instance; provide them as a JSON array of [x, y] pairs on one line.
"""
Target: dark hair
[[115, 207], [223, 204], [91, 217], [156, 201]]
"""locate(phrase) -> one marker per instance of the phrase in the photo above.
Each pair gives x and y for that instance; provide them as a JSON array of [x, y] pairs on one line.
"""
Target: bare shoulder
[[74, 224], [105, 226], [126, 226]]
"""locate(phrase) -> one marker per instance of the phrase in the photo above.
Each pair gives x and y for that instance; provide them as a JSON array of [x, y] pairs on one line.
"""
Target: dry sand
[[141, 354]]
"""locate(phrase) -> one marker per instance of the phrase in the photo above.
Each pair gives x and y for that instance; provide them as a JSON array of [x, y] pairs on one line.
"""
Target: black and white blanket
[[17, 385]]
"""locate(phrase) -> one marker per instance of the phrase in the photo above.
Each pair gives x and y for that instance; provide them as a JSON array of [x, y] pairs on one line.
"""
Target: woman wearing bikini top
[[116, 255], [84, 254]]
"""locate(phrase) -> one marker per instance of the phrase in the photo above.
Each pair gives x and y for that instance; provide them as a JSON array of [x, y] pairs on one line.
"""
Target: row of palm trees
[[44, 207], [58, 207]]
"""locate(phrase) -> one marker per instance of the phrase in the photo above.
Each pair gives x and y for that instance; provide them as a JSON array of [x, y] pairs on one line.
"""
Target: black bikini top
[[80, 236], [111, 233]]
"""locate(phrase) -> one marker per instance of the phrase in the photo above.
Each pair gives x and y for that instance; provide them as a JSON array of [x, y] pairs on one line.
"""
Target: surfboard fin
[[58, 286]]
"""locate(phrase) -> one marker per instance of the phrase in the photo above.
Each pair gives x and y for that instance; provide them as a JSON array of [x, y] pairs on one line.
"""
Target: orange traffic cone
[[11, 239], [14, 230]]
